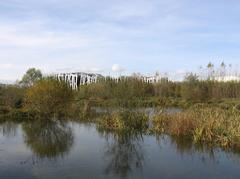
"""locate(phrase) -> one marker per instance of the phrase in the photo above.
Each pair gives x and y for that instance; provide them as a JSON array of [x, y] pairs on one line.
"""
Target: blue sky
[[140, 35]]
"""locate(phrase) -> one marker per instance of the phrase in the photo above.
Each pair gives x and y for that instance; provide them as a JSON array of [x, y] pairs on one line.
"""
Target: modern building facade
[[77, 79]]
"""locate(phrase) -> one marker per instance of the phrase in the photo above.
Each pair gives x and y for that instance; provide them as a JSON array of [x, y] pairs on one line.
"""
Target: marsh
[[67, 149]]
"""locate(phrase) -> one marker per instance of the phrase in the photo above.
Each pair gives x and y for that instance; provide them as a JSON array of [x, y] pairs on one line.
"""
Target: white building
[[154, 79], [227, 78], [77, 79]]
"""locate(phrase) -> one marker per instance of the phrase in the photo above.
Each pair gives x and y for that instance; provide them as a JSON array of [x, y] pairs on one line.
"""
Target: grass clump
[[126, 120], [202, 124]]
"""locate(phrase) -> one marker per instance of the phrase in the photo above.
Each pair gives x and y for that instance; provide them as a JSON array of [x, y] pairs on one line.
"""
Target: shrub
[[12, 96], [49, 97]]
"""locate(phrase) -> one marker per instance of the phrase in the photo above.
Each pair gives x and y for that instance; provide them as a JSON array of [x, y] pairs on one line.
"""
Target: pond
[[55, 149]]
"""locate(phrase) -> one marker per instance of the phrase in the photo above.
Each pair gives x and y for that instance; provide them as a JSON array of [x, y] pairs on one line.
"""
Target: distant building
[[226, 78], [154, 79], [77, 79]]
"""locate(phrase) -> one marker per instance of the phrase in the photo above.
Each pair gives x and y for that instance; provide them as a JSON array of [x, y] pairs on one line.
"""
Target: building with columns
[[77, 79]]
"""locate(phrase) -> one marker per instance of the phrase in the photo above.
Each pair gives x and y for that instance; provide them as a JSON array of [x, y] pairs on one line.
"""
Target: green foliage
[[166, 89], [134, 92], [32, 75], [11, 96], [194, 89], [128, 92], [49, 97], [126, 88]]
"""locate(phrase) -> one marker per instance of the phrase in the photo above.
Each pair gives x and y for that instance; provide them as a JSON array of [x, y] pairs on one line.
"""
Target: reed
[[125, 120], [202, 124]]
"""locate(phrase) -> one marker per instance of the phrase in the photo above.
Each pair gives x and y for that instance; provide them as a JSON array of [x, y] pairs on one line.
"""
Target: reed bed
[[202, 124], [125, 120]]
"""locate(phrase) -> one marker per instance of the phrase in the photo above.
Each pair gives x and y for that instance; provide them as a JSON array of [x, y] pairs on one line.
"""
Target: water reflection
[[186, 147], [103, 154], [48, 139], [8, 128], [123, 152]]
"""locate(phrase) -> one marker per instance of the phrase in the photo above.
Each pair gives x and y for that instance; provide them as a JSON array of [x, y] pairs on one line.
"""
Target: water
[[80, 150]]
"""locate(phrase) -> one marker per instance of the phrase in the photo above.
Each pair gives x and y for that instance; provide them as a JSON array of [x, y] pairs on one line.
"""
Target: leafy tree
[[193, 89], [32, 75], [191, 78]]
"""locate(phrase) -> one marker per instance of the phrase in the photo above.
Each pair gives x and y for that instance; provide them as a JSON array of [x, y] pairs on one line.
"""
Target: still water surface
[[80, 150]]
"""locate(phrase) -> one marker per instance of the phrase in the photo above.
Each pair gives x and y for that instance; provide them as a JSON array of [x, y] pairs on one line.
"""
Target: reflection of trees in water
[[234, 156], [8, 128], [185, 146], [123, 152], [50, 139]]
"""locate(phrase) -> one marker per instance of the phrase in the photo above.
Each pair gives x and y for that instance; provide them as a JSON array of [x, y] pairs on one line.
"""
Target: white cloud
[[6, 66], [31, 35], [117, 68], [88, 35]]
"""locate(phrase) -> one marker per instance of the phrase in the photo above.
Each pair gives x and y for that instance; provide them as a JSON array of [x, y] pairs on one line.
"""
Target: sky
[[113, 36]]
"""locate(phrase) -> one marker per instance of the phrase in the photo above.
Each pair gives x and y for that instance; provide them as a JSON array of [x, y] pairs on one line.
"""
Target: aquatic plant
[[124, 120], [202, 124]]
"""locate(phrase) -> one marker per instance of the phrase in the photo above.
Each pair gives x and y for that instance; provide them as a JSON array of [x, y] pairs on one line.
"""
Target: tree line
[[191, 88], [49, 96]]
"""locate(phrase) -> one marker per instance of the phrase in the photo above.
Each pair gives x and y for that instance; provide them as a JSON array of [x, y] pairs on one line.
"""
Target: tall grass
[[214, 125], [125, 120]]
